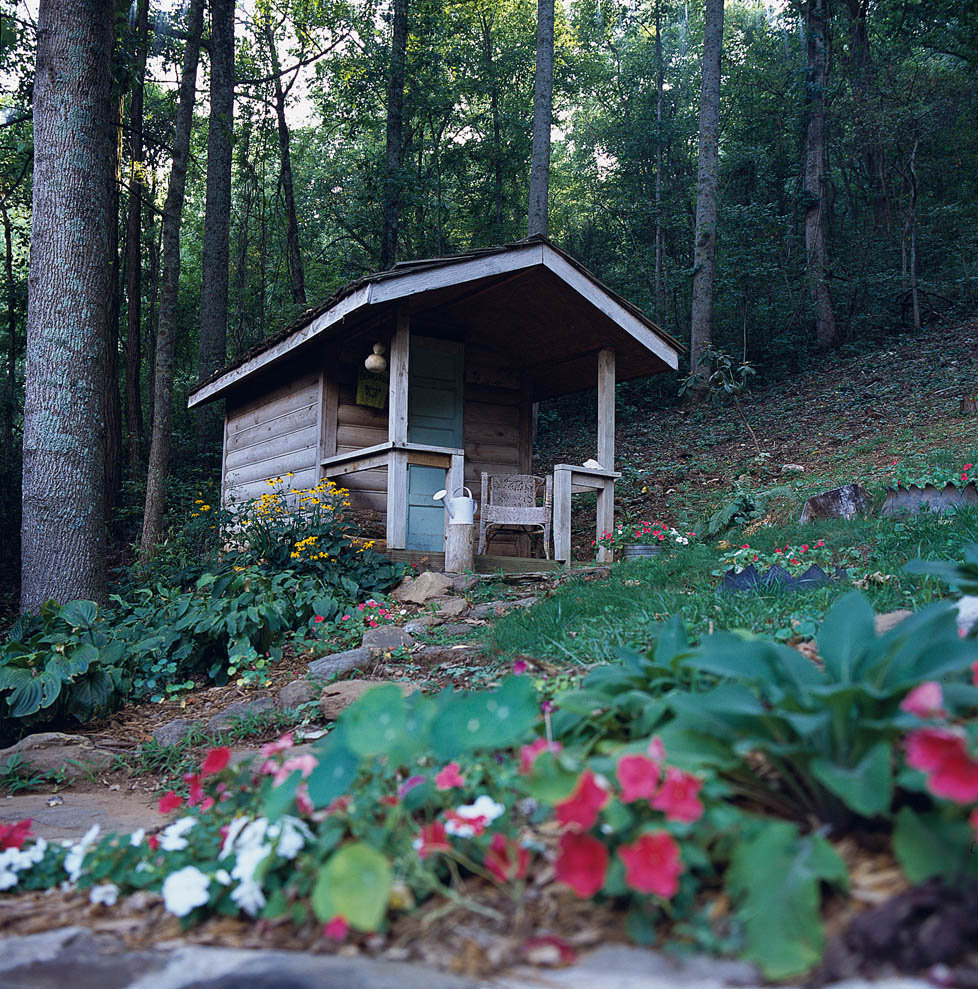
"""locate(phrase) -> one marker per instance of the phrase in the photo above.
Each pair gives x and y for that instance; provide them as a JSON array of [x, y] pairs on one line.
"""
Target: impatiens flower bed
[[793, 559], [644, 534]]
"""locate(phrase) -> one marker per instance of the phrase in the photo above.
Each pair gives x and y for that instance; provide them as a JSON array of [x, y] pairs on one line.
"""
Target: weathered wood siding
[[271, 435]]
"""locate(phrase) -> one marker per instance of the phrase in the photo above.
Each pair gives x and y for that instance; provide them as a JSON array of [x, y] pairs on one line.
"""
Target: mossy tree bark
[[63, 531], [543, 91], [395, 137]]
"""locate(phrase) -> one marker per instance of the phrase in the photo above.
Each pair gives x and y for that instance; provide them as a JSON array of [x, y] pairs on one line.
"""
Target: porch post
[[562, 516], [397, 421], [606, 446]]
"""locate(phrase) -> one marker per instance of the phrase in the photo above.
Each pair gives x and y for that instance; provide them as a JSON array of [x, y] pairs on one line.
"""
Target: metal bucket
[[639, 551]]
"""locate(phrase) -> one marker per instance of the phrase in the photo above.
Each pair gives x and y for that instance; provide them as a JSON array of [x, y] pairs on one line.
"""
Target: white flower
[[8, 878], [106, 894], [234, 829], [459, 830], [247, 861], [136, 838], [249, 897], [75, 857], [295, 834], [484, 807], [223, 877], [172, 838], [185, 890]]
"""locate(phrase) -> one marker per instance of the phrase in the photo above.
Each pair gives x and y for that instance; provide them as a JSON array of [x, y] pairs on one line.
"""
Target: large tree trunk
[[296, 275], [10, 392], [217, 212], [134, 260], [543, 89], [816, 201], [395, 137], [159, 450], [63, 532], [113, 404], [657, 289], [497, 148], [705, 244]]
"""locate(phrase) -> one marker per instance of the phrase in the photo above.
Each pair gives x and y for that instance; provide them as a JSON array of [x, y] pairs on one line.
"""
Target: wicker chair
[[510, 500]]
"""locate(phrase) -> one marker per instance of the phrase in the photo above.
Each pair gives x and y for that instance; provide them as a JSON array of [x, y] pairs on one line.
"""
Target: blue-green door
[[435, 419]]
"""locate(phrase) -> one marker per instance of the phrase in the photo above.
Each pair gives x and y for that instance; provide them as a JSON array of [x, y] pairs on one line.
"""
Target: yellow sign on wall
[[372, 388]]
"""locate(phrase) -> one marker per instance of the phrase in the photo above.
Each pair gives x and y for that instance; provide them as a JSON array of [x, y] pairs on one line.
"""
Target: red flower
[[581, 863], [506, 859], [929, 747], [170, 802], [318, 619], [154, 842], [216, 761], [196, 788], [582, 806], [449, 777], [519, 666], [639, 776], [432, 839], [944, 754], [745, 546], [804, 547], [14, 835], [925, 701], [678, 798], [529, 753], [652, 864], [336, 929]]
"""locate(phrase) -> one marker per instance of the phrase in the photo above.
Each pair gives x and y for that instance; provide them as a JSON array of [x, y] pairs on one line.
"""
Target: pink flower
[[529, 753], [506, 859], [196, 788], [449, 777], [216, 761], [360, 607], [652, 864], [581, 808], [304, 764], [409, 784], [520, 666], [638, 776], [273, 748], [925, 701], [14, 835], [657, 750], [336, 929], [433, 838], [582, 863], [345, 618], [678, 799], [319, 618], [745, 546], [944, 755], [170, 802]]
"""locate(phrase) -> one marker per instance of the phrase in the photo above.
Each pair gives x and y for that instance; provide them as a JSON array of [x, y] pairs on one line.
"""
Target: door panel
[[426, 518]]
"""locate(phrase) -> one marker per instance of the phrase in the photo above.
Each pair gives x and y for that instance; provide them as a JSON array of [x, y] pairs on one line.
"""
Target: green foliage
[[962, 577]]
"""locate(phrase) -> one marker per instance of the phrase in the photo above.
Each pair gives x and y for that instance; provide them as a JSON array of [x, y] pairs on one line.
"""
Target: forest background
[[874, 101]]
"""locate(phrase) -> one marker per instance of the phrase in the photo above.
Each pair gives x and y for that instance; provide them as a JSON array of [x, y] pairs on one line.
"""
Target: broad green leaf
[[845, 635], [355, 883], [376, 722], [671, 641], [774, 880], [337, 769], [495, 720], [79, 614], [550, 782], [927, 845], [867, 787]]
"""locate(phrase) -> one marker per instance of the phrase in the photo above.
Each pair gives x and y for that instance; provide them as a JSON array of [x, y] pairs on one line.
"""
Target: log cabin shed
[[471, 343]]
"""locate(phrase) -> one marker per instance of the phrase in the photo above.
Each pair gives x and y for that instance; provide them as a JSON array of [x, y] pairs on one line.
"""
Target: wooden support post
[[606, 447], [397, 430], [562, 516], [458, 549], [605, 519], [329, 414]]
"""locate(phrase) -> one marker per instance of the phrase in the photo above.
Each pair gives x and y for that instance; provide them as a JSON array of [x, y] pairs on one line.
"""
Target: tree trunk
[[497, 149], [159, 450], [816, 250], [395, 137], [657, 292], [705, 243], [912, 221], [113, 404], [134, 261], [10, 398], [217, 213], [543, 90], [62, 531], [296, 275]]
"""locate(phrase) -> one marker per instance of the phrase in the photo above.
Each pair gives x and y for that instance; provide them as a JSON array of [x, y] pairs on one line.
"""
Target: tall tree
[[159, 449], [543, 90], [113, 405], [816, 202], [62, 530], [395, 136], [134, 254], [707, 180], [217, 210]]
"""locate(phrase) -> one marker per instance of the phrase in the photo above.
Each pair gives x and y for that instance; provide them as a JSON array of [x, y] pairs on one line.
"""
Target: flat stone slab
[[341, 662], [55, 751], [337, 697], [113, 810], [385, 637], [297, 692], [840, 503], [239, 710], [422, 588], [450, 608], [173, 731]]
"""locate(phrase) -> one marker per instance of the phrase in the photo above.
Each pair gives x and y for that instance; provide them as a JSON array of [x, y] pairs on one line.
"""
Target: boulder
[[54, 751], [450, 608], [444, 655], [496, 609], [840, 503], [883, 623], [386, 637], [456, 628], [296, 693], [238, 710], [340, 662], [337, 697], [419, 625], [173, 731], [422, 588], [464, 582]]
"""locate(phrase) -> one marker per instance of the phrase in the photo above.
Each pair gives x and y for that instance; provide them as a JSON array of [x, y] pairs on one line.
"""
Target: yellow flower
[[205, 508]]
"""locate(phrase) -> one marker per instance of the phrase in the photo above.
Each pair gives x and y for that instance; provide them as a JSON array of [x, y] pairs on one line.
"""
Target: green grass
[[586, 622]]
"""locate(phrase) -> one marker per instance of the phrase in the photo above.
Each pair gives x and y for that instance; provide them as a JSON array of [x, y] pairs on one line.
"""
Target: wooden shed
[[471, 342]]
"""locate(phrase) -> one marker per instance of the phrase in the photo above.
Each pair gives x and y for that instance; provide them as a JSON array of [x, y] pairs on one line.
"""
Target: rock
[[173, 731], [444, 655], [840, 503], [296, 693], [340, 662], [419, 625], [463, 583], [524, 602], [450, 608], [456, 628], [54, 751], [337, 697], [496, 609], [240, 709], [792, 469], [386, 637], [891, 619], [424, 587]]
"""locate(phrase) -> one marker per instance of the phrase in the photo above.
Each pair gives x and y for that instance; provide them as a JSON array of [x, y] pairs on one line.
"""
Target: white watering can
[[461, 507]]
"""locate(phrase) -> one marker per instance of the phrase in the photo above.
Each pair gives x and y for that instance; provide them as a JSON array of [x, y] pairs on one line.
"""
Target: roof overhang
[[366, 297]]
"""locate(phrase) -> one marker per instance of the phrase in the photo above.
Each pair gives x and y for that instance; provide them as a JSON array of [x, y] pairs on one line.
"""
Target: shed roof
[[533, 299]]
